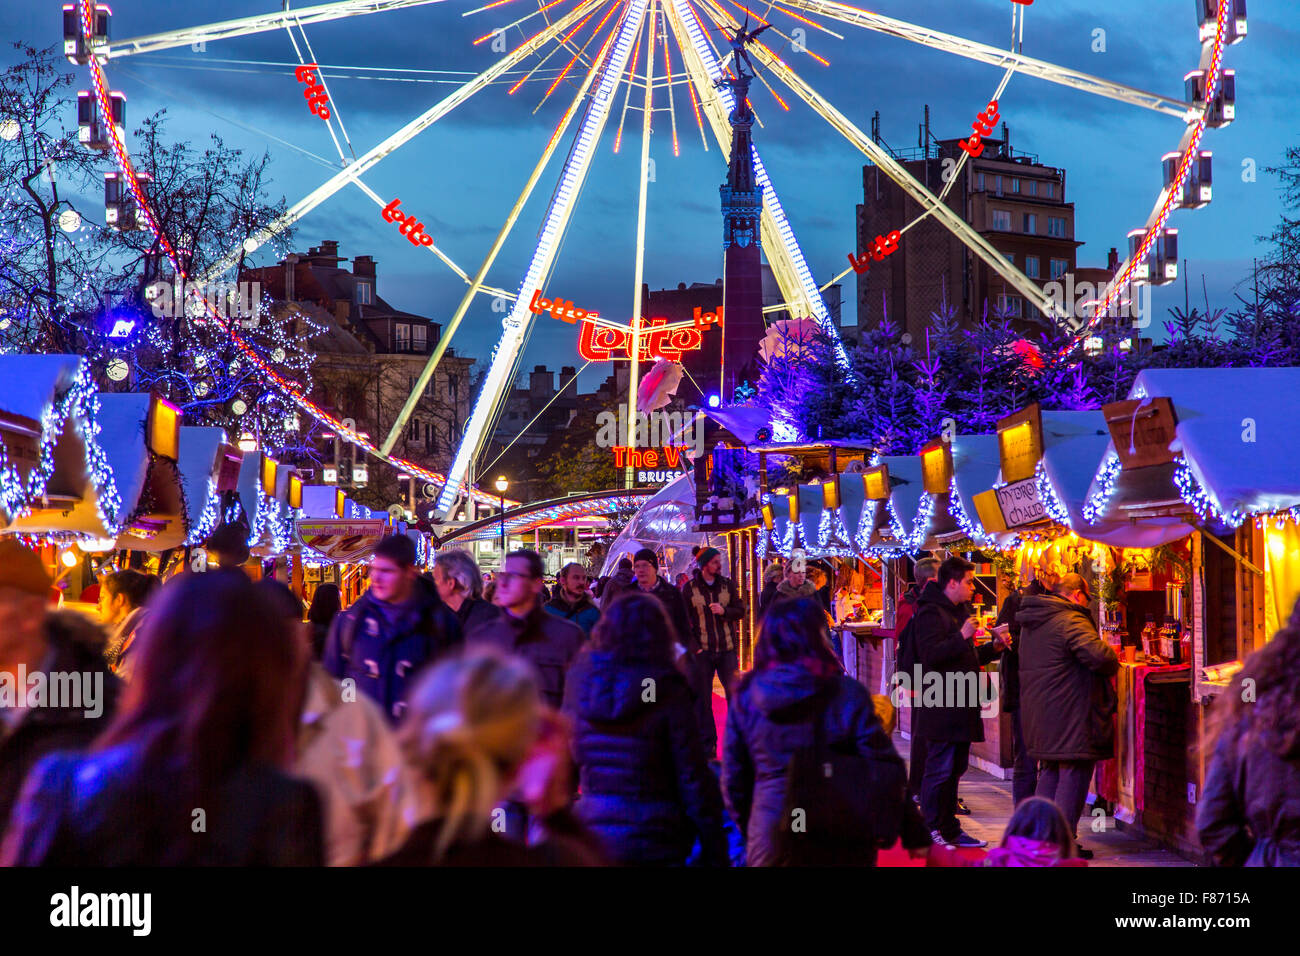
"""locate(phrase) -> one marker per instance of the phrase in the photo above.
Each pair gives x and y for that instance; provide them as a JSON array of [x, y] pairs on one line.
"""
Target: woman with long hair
[[325, 606], [191, 770], [1249, 813], [473, 723], [647, 790], [795, 697]]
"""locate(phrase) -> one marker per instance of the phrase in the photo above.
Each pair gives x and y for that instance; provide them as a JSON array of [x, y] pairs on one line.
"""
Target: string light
[[1108, 475]]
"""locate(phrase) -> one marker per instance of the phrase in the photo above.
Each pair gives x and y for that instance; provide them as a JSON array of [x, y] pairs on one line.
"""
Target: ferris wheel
[[613, 53]]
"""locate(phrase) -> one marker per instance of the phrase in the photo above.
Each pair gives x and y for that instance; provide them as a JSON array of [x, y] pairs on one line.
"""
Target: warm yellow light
[[502, 484], [831, 494], [295, 491], [269, 466], [69, 558], [164, 428]]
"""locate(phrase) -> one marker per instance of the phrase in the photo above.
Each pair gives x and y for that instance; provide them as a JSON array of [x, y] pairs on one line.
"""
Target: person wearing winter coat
[[460, 585], [622, 580], [773, 574], [795, 585], [194, 768], [397, 627], [1066, 698], [797, 680], [122, 606], [572, 600], [646, 788], [714, 608], [34, 640], [1249, 811], [1024, 774], [943, 630], [645, 570], [548, 642], [925, 571]]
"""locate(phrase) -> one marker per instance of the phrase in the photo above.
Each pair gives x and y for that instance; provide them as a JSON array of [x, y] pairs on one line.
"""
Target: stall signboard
[[877, 484], [340, 540], [1142, 430], [1021, 504], [936, 467], [1020, 443]]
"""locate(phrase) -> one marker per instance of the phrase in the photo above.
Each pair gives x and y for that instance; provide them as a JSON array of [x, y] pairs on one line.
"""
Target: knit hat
[[22, 569], [645, 554], [706, 555]]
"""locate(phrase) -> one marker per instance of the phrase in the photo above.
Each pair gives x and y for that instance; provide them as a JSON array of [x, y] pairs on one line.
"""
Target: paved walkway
[[990, 802]]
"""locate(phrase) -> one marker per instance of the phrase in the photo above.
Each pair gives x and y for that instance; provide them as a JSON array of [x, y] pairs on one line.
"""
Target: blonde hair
[[472, 721]]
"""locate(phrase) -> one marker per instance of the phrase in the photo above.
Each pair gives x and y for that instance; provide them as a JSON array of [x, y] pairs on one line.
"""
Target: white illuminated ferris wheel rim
[[689, 22]]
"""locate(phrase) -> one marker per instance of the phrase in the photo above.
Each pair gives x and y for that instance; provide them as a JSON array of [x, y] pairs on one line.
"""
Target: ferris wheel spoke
[[518, 323], [476, 284], [786, 258], [408, 132], [895, 171], [244, 26], [984, 53]]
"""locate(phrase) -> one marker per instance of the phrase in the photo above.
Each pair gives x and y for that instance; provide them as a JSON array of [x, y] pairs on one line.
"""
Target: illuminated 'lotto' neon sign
[[602, 341]]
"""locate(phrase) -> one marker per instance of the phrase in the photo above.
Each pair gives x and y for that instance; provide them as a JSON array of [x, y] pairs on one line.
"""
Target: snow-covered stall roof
[[976, 463], [56, 467], [900, 510], [199, 465], [1073, 443], [1237, 434]]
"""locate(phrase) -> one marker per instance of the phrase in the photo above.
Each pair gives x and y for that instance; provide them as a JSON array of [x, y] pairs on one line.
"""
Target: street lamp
[[502, 485]]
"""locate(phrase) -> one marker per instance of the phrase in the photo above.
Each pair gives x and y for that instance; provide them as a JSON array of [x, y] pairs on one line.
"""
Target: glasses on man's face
[[505, 577]]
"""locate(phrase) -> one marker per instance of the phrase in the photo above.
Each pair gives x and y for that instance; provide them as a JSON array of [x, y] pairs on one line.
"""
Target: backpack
[[908, 657], [849, 806]]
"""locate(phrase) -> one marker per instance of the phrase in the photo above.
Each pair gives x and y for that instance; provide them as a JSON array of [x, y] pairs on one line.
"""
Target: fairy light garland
[[1108, 475], [1056, 510], [1199, 497], [972, 530], [1175, 189], [291, 390]]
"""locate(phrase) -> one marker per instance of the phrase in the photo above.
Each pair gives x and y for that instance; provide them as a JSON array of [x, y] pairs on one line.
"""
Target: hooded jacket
[[1248, 814], [768, 722], [646, 788], [942, 650], [1067, 703], [548, 642], [622, 580], [382, 647], [75, 646]]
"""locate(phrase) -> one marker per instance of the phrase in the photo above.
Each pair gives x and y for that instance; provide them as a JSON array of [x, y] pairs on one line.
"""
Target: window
[[1011, 258], [980, 179], [1059, 267], [1031, 266], [403, 332], [997, 185], [1033, 187], [1011, 305], [1031, 223], [413, 433], [1056, 227], [419, 337], [1000, 219], [1049, 190], [363, 293], [1015, 185]]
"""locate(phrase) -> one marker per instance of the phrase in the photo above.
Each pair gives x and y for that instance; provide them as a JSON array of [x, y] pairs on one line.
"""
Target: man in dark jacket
[[1066, 699], [943, 630], [1024, 775], [394, 629], [459, 582], [550, 643], [645, 569], [925, 571], [714, 607], [78, 693], [622, 580], [572, 600]]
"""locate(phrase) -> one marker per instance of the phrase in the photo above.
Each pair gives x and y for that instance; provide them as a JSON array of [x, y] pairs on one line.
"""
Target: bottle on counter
[[1149, 636]]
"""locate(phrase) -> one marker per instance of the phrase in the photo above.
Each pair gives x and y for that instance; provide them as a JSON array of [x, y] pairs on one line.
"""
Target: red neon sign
[[600, 341], [412, 230], [883, 246], [625, 457], [983, 126], [315, 92]]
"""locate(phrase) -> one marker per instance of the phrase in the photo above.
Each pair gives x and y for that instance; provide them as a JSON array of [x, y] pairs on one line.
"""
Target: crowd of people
[[454, 719]]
